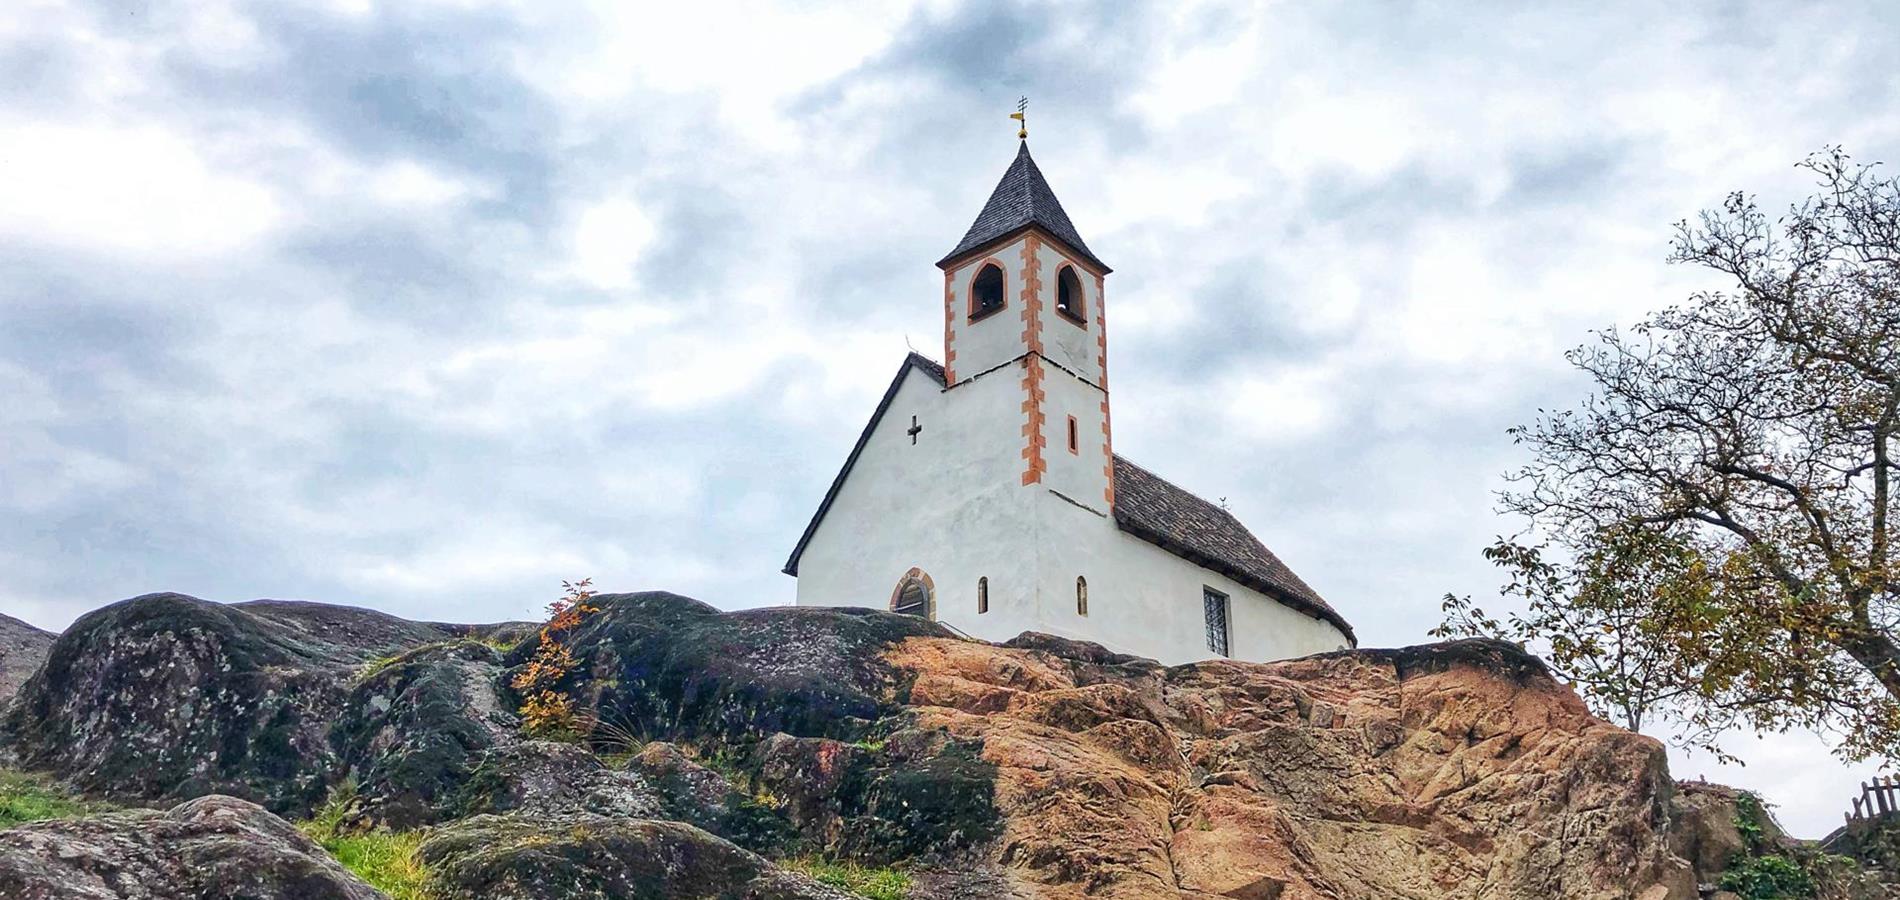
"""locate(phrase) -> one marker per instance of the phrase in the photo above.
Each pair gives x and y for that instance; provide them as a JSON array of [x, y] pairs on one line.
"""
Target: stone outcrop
[[1874, 842], [1731, 840], [663, 666], [415, 728], [22, 649], [1040, 768], [524, 858], [817, 686], [211, 848], [1706, 832], [1448, 771], [169, 697]]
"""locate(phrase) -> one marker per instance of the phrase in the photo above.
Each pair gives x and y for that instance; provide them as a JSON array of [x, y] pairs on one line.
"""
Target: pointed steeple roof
[[1020, 200]]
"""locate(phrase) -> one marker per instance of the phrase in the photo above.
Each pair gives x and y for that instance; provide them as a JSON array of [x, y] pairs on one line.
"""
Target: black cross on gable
[[915, 429]]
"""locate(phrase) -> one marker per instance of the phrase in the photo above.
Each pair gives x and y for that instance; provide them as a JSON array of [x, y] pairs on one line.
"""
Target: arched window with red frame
[[986, 291], [1069, 300]]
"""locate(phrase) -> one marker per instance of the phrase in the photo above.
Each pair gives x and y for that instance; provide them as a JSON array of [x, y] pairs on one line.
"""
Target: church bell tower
[[1024, 299]]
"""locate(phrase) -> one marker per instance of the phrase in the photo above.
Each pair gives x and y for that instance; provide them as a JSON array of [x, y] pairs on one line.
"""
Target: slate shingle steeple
[[1021, 199]]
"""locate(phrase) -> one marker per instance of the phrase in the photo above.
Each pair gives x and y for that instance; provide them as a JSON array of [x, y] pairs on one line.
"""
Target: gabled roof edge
[[976, 250], [914, 360], [1214, 564]]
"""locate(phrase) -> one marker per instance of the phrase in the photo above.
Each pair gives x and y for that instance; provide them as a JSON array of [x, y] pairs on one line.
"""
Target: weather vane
[[1022, 108]]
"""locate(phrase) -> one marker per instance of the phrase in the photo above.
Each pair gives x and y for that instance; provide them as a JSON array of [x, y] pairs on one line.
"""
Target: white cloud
[[408, 183], [392, 333], [1286, 405], [607, 240], [142, 190]]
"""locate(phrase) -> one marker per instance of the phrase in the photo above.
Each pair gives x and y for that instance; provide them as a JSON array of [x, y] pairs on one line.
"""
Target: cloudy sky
[[428, 306]]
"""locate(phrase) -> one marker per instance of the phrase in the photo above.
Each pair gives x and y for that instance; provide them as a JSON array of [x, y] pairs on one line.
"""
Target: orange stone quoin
[[1032, 363], [949, 329], [1032, 288], [1035, 465], [1101, 366]]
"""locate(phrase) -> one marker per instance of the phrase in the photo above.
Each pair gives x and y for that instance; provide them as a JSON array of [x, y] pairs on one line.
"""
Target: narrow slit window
[[1075, 437], [982, 595], [986, 291], [1069, 295], [1214, 610], [1081, 596]]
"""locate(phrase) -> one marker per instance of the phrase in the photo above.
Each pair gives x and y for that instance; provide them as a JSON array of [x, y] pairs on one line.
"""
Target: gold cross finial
[[1022, 109]]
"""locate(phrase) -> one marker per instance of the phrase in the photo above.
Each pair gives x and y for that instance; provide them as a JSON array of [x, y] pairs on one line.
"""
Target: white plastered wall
[[1064, 342], [1147, 601], [951, 504], [997, 338], [1081, 475]]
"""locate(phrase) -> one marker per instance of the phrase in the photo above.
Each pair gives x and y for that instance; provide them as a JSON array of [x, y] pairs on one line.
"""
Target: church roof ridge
[[1022, 198]]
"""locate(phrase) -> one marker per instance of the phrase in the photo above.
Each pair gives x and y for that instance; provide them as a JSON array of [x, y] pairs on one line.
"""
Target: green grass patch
[[387, 860], [373, 667], [876, 884], [376, 666], [31, 798]]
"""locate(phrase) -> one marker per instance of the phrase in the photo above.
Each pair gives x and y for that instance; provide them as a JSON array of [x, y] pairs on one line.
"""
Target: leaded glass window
[[1214, 610]]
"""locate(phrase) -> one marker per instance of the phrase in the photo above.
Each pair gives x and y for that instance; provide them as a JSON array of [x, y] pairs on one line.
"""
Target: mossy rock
[[169, 697], [416, 726], [550, 779], [931, 802], [673, 668], [210, 848], [542, 858], [703, 797]]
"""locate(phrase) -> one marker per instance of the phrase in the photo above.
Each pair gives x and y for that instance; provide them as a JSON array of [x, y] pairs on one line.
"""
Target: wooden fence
[[1880, 798]]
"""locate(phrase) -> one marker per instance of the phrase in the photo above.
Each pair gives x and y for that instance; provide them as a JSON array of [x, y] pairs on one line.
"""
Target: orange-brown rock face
[[1448, 771]]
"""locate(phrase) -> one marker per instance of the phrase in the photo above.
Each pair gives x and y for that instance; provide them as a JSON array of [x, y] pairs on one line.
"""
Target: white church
[[985, 492]]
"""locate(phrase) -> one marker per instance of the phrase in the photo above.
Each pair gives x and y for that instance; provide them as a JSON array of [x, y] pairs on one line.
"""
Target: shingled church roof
[[1147, 506], [1020, 200], [1158, 511]]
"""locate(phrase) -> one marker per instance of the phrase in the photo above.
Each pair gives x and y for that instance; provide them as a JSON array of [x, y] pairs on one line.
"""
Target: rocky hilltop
[[743, 754], [22, 649]]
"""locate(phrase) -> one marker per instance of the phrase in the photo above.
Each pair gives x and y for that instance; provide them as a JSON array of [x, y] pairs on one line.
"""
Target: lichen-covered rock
[[811, 777], [697, 795], [925, 794], [678, 670], [416, 727], [1703, 828], [167, 696], [675, 668], [1449, 771], [541, 858], [548, 778], [211, 848], [1043, 768], [22, 649]]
